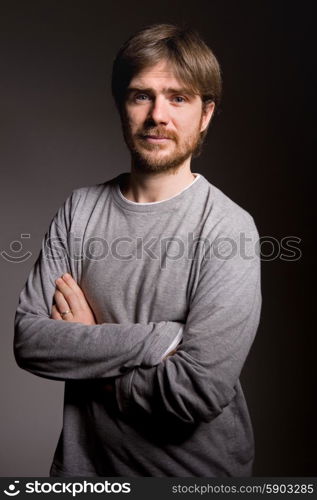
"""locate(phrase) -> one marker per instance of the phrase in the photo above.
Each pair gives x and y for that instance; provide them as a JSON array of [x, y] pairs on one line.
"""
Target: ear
[[208, 111]]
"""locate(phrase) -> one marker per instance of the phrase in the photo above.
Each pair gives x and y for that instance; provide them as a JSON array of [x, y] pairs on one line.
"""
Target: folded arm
[[199, 380], [65, 350]]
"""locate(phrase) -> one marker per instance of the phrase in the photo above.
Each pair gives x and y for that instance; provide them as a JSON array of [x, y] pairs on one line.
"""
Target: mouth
[[155, 139]]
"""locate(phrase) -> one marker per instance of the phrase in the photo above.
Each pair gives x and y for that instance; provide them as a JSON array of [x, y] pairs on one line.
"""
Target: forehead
[[156, 76]]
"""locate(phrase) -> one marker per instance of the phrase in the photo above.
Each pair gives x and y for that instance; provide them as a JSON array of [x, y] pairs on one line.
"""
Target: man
[[146, 296]]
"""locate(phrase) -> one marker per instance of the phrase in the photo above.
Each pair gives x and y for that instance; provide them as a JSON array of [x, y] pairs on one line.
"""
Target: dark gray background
[[60, 130]]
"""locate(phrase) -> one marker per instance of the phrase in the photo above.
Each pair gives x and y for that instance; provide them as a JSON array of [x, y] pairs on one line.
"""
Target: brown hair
[[193, 60]]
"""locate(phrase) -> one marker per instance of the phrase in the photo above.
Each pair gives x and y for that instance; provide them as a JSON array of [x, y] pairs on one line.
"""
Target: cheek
[[129, 119], [136, 117], [188, 125]]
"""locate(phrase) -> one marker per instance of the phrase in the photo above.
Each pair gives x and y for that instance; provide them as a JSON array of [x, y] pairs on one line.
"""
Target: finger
[[171, 353], [60, 302], [73, 284], [69, 280], [69, 295], [55, 314]]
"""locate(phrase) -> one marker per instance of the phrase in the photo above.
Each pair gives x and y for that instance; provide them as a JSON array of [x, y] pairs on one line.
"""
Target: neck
[[149, 187]]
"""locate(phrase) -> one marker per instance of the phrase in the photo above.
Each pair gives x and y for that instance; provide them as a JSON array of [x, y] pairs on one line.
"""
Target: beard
[[157, 158]]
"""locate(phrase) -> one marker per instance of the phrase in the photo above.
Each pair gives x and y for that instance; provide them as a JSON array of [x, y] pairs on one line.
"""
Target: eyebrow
[[169, 90]]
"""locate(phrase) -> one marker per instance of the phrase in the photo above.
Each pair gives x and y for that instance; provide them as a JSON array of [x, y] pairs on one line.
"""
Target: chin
[[149, 158], [146, 162]]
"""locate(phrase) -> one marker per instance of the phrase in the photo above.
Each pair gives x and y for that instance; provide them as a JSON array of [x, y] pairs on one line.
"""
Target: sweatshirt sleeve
[[62, 350], [198, 381]]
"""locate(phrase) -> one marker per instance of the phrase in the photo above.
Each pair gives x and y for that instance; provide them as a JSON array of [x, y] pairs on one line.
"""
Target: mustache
[[156, 132]]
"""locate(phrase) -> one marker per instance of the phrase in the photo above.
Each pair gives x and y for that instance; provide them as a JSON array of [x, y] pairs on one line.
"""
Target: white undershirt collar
[[161, 201]]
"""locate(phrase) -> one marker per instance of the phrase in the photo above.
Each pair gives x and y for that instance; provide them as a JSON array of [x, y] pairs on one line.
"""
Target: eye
[[179, 99], [141, 97]]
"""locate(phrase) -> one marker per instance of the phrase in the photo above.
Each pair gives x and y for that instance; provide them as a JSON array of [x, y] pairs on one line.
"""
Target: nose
[[159, 112]]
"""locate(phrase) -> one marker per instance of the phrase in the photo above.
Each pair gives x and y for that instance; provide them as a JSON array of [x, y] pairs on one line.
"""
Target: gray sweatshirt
[[150, 271]]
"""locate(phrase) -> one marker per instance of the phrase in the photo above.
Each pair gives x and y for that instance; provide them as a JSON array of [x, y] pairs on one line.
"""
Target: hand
[[70, 297], [170, 354]]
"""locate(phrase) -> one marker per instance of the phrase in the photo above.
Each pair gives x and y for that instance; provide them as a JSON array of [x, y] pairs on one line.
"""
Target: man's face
[[162, 119]]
